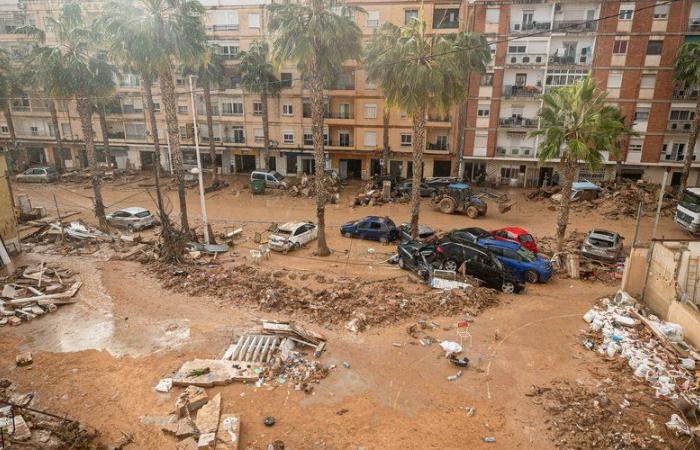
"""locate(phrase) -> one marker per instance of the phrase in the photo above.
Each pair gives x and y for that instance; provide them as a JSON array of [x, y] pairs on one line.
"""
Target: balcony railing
[[680, 125], [686, 93], [343, 86], [339, 143], [526, 59], [135, 136], [437, 146], [223, 27], [438, 118], [21, 108], [516, 152], [129, 109], [115, 134], [234, 139], [521, 91], [517, 122], [531, 26], [569, 60], [694, 24], [678, 157], [574, 26], [338, 115]]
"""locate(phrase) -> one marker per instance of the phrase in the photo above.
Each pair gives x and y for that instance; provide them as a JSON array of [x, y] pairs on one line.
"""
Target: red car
[[518, 235]]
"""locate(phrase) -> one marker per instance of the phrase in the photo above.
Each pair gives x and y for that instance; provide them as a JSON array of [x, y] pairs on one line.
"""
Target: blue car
[[519, 260], [373, 228]]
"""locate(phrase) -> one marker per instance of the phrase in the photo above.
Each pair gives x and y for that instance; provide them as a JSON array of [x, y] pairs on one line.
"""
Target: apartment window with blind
[[406, 140], [372, 19], [661, 11], [287, 109], [654, 47], [620, 47], [487, 79], [483, 111], [370, 111], [614, 80], [257, 109], [626, 11], [288, 137], [641, 114]]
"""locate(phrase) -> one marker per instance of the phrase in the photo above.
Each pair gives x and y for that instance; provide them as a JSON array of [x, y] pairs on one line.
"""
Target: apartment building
[[537, 45]]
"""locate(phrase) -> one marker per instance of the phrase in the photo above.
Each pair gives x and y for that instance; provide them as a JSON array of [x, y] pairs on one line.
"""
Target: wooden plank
[[44, 299]]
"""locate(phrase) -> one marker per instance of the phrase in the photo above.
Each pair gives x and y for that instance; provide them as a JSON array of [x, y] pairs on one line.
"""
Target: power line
[[391, 63]]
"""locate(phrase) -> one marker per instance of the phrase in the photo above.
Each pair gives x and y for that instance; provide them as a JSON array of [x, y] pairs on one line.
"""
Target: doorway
[[350, 168], [396, 168], [545, 171], [272, 162], [375, 167], [146, 160], [245, 163], [308, 166], [676, 179], [442, 168], [292, 167]]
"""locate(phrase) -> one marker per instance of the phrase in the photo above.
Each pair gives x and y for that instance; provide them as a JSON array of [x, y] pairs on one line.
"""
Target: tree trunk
[[85, 113], [104, 129], [148, 92], [385, 139], [418, 146], [618, 170], [569, 167], [459, 151], [58, 154], [316, 85], [690, 152], [17, 162], [210, 126], [266, 127], [167, 88]]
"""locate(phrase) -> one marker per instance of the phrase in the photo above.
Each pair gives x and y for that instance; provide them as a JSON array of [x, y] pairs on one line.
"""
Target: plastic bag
[[451, 347], [688, 363], [597, 324], [678, 425], [672, 331], [590, 315]]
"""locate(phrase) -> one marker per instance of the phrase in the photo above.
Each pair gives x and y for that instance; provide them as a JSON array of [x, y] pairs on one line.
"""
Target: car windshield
[[526, 238], [277, 176], [143, 214], [283, 232], [600, 242], [690, 201], [526, 254]]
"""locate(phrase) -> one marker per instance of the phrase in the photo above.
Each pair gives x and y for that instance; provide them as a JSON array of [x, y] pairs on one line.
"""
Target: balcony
[[531, 27], [574, 26], [569, 60], [521, 91], [683, 126], [339, 143], [526, 59], [115, 134], [222, 27], [682, 93], [515, 152], [673, 157], [21, 108], [438, 118], [135, 136], [437, 146], [517, 122], [130, 109], [338, 115], [234, 139], [694, 24]]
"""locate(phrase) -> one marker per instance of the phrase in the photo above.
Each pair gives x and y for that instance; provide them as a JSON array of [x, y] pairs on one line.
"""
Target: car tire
[[402, 263], [348, 235], [508, 287], [450, 264], [531, 276], [472, 212], [296, 246], [383, 240]]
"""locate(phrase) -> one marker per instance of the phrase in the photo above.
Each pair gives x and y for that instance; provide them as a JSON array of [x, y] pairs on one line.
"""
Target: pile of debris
[[122, 176], [543, 192], [307, 187], [572, 243], [356, 303], [372, 195], [622, 200], [32, 291], [23, 426], [652, 348]]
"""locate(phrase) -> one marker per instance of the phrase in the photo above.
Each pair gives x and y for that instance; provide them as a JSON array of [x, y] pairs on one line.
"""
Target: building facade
[[536, 45]]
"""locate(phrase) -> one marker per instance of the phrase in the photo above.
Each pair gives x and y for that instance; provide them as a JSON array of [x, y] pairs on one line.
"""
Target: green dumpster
[[257, 186]]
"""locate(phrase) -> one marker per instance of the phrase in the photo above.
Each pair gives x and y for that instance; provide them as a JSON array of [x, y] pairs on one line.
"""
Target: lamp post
[[198, 170]]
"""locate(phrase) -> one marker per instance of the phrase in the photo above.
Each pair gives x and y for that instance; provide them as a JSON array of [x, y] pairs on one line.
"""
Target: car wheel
[[296, 246], [531, 276], [348, 235], [472, 212], [451, 265], [402, 263], [508, 287], [130, 228], [383, 240]]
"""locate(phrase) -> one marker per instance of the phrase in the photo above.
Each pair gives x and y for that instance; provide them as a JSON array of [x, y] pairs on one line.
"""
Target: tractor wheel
[[472, 212], [447, 205], [483, 213]]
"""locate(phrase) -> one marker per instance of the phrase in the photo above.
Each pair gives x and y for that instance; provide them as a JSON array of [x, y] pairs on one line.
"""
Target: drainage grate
[[253, 348]]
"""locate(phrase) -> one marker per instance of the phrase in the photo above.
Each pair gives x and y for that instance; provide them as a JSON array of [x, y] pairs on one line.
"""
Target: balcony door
[[520, 79], [528, 17]]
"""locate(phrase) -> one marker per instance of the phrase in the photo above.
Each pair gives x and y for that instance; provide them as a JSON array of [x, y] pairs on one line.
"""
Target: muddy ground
[[99, 359]]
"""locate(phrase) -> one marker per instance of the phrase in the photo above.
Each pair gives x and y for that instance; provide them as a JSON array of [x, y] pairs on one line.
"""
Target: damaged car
[[292, 236], [424, 232], [418, 257], [372, 228], [602, 245]]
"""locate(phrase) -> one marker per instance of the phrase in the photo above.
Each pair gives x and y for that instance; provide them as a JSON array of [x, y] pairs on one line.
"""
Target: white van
[[272, 179]]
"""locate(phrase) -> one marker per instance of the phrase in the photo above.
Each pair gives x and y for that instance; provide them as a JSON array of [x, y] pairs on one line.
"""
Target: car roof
[[472, 230], [469, 245], [584, 186], [515, 230], [291, 226], [459, 186], [497, 243], [694, 190], [605, 234], [134, 209]]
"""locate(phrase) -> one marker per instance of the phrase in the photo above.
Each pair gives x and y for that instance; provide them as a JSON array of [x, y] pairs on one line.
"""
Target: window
[[614, 80], [372, 19], [410, 14], [492, 15], [257, 109], [258, 135], [486, 79], [370, 139], [229, 50], [483, 111], [288, 136], [306, 109], [446, 18], [620, 47], [648, 81], [635, 146], [661, 11], [517, 48], [63, 105], [308, 137], [369, 84], [370, 111], [235, 82], [287, 109], [66, 130], [681, 114], [238, 136], [286, 80], [654, 47], [156, 107], [626, 11], [232, 108], [406, 139], [344, 138], [4, 129], [641, 114], [253, 20], [182, 109]]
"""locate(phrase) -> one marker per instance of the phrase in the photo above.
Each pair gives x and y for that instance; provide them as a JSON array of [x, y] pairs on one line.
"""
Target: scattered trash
[[346, 364], [678, 425], [450, 348], [164, 385], [459, 362], [470, 410], [24, 359], [455, 376], [489, 439], [269, 421], [340, 412]]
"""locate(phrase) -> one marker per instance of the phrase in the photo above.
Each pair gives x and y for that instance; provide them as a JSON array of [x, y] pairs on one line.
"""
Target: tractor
[[458, 197]]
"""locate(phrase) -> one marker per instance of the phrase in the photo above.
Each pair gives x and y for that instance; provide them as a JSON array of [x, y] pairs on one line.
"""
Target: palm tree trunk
[[458, 171], [58, 154], [316, 85], [167, 88], [17, 160], [85, 113], [104, 129], [690, 152], [210, 127], [148, 92], [569, 167], [266, 127], [385, 139], [418, 146]]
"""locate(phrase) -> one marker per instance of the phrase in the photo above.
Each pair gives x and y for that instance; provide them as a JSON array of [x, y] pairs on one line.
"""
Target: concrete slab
[[208, 422], [218, 373], [190, 400]]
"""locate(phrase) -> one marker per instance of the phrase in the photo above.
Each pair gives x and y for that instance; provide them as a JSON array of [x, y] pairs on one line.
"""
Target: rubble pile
[[622, 200], [572, 243], [613, 413], [307, 187], [543, 192], [359, 303], [122, 176], [372, 195], [33, 291], [24, 426]]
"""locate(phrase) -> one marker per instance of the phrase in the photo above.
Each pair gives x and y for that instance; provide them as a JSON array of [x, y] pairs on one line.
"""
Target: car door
[[302, 234], [360, 229], [512, 261]]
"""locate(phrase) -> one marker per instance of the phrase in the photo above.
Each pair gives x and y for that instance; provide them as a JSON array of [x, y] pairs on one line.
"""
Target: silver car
[[602, 245], [273, 179], [39, 175], [133, 219]]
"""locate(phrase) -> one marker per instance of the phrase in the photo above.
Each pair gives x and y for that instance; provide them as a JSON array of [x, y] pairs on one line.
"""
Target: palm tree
[[687, 72], [9, 87], [100, 106], [258, 76], [74, 66], [576, 125], [173, 30], [418, 72], [319, 40], [209, 72]]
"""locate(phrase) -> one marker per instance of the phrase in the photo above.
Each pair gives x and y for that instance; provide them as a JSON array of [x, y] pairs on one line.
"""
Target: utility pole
[[661, 200], [202, 203]]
